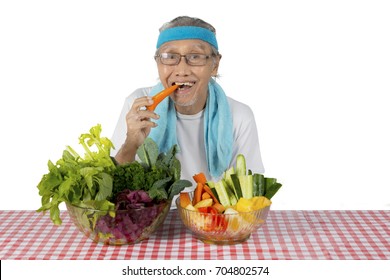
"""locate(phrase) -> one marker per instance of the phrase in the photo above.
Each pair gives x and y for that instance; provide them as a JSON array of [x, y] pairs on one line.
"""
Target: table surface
[[299, 235]]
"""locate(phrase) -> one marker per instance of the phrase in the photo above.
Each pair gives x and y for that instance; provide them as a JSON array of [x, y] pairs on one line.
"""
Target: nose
[[182, 69]]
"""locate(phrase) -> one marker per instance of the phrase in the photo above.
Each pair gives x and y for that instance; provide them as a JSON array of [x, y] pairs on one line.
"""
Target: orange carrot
[[210, 192], [184, 199], [160, 97], [219, 207], [197, 193], [200, 178], [205, 195]]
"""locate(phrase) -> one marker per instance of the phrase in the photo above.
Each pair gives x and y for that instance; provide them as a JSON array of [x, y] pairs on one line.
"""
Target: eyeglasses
[[193, 59]]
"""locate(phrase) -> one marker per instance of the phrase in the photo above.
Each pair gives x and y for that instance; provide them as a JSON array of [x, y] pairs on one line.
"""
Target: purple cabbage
[[128, 199], [135, 211]]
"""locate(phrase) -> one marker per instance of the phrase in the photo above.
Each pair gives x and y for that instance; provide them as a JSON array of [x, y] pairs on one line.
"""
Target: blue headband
[[185, 33]]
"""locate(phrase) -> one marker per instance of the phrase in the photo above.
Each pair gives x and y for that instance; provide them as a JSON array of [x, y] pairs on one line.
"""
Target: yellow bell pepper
[[259, 202], [252, 204]]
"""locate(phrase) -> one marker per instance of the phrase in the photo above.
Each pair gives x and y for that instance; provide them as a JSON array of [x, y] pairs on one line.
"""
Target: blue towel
[[218, 128]]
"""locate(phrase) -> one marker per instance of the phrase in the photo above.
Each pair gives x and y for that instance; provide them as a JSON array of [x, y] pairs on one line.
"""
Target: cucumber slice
[[236, 186], [232, 196], [226, 176], [246, 183], [240, 165], [258, 184], [271, 187], [211, 184], [223, 196]]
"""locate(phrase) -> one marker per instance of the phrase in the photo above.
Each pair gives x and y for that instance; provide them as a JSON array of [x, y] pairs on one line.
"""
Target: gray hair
[[187, 21], [190, 21]]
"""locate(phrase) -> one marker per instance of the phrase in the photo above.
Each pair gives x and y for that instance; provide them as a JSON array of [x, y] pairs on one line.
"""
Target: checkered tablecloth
[[300, 235]]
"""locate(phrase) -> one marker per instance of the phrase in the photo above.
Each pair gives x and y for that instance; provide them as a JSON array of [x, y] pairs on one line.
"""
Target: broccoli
[[128, 176]]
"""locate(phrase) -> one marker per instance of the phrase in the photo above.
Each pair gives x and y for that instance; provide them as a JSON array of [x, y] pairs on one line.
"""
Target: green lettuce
[[74, 178], [94, 179]]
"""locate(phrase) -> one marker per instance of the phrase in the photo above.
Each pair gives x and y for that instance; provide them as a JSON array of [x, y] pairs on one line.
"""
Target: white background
[[315, 73]]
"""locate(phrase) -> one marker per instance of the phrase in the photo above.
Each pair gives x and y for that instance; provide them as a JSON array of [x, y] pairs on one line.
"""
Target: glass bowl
[[119, 227], [223, 229]]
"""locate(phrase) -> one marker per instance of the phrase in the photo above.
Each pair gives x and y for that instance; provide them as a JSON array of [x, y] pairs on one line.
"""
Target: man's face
[[191, 96]]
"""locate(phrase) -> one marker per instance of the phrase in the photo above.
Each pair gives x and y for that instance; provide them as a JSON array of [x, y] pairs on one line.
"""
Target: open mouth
[[183, 86]]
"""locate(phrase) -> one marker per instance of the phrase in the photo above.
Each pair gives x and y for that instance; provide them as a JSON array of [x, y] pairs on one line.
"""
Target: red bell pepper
[[213, 220]]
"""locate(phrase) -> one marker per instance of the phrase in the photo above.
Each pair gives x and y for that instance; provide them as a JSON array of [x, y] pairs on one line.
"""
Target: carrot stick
[[200, 178], [160, 97], [184, 199], [205, 195], [219, 207], [197, 193], [210, 192]]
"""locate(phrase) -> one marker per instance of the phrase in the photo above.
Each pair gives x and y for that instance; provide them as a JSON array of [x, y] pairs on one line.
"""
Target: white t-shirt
[[190, 137]]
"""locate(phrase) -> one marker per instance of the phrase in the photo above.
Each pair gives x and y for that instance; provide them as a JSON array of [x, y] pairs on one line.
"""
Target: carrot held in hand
[[160, 97]]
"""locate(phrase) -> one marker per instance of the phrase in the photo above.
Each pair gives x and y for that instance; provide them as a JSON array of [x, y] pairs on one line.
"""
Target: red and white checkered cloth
[[300, 235]]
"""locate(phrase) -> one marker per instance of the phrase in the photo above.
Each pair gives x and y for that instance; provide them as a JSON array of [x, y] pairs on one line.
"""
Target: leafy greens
[[156, 173], [95, 180]]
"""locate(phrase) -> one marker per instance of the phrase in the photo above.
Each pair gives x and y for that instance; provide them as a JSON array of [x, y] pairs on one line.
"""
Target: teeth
[[185, 84]]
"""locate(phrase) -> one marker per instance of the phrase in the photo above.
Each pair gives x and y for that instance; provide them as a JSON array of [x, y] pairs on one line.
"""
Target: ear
[[216, 65]]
